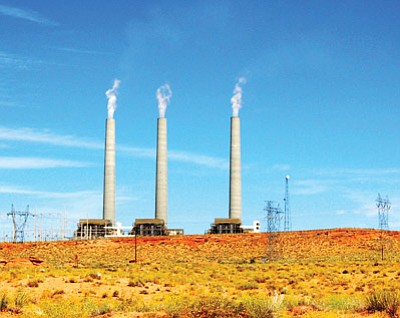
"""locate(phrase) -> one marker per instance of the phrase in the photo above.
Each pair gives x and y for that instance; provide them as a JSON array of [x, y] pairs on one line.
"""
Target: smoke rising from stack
[[163, 94], [236, 99], [112, 99], [109, 157]]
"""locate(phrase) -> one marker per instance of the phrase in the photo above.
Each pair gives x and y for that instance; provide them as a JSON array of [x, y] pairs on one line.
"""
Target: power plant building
[[92, 228], [226, 226], [149, 227]]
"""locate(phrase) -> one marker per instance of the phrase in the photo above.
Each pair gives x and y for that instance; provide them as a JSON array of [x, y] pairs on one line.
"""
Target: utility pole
[[19, 221], [383, 206], [274, 215], [288, 220]]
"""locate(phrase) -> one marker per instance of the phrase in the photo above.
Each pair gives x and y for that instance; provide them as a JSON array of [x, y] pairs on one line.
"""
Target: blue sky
[[321, 104]]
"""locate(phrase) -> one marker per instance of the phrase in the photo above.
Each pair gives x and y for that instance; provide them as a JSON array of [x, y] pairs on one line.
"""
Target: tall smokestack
[[163, 96], [109, 157], [235, 178], [109, 172], [162, 171]]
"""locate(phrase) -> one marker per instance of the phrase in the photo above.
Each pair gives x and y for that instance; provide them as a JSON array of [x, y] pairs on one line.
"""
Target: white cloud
[[80, 51], [362, 172], [28, 15], [138, 152], [202, 160], [281, 167], [32, 135], [180, 156], [10, 189], [311, 187], [17, 62], [37, 163], [9, 104]]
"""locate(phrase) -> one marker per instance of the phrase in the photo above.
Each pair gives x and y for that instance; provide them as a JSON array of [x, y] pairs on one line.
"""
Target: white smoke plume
[[112, 98], [164, 94], [236, 99]]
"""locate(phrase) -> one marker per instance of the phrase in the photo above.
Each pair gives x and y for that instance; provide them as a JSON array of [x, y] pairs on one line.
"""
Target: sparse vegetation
[[336, 273], [384, 301], [3, 302]]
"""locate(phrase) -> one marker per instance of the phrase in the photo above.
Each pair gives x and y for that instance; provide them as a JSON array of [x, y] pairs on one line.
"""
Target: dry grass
[[316, 274]]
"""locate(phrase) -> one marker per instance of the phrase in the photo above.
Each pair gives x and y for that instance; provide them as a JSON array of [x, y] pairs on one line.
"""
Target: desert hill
[[236, 247], [320, 273]]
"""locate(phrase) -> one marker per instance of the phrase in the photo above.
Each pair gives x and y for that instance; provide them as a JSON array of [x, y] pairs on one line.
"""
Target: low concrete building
[[92, 228], [149, 227], [226, 226]]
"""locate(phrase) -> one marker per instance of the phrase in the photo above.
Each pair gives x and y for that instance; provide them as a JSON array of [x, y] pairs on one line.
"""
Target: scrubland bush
[[13, 303], [257, 308], [33, 283], [136, 283], [3, 302], [344, 303], [20, 300], [247, 286], [70, 308], [384, 301]]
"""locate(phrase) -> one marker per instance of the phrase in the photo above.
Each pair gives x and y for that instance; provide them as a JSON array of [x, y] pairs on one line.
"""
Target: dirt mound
[[22, 262]]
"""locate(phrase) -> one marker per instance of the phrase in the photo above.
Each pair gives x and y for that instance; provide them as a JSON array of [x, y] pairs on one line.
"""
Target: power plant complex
[[107, 226]]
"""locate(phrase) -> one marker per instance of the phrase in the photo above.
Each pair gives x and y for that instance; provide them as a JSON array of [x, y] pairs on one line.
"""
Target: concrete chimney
[[235, 179], [162, 172], [109, 173]]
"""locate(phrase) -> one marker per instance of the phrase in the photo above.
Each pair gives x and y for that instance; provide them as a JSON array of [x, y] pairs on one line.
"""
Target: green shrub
[[115, 293], [33, 283], [383, 301], [136, 283], [263, 307], [58, 292], [212, 306], [3, 302], [258, 308], [20, 300], [344, 303], [248, 286], [203, 306]]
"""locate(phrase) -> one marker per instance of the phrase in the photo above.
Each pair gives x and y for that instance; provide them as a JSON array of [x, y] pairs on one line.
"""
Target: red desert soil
[[207, 258]]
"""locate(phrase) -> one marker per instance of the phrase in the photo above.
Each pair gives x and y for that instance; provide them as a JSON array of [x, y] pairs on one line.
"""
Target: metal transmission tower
[[383, 206], [274, 215], [288, 220], [19, 220]]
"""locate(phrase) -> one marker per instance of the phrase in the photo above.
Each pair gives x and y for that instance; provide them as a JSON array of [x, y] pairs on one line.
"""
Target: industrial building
[[92, 228], [149, 227], [226, 226]]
